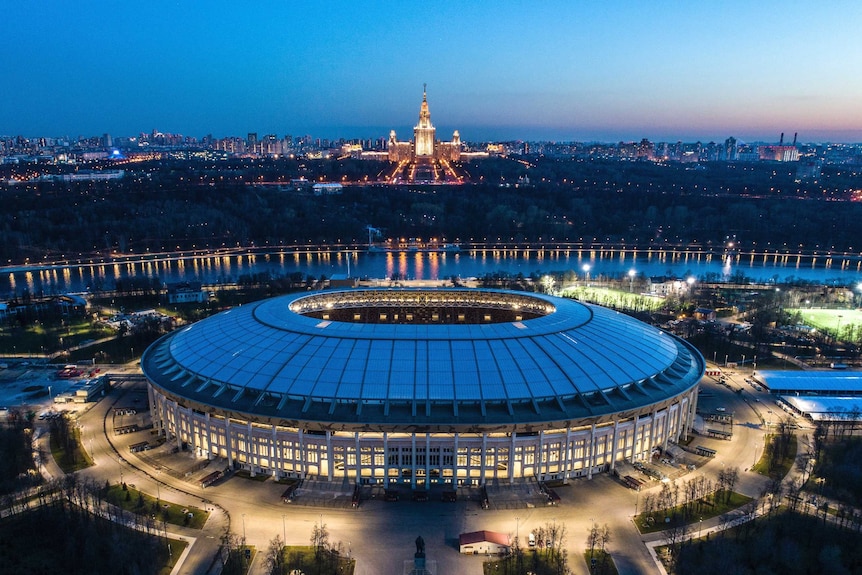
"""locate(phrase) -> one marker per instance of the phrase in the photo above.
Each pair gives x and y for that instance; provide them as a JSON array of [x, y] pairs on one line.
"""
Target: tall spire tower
[[424, 133]]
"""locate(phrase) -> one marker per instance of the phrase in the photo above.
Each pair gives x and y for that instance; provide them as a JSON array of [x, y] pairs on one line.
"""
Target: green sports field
[[831, 320], [615, 298]]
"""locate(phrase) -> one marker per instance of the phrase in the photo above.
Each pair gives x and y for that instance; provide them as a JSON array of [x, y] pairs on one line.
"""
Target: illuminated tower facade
[[424, 132]]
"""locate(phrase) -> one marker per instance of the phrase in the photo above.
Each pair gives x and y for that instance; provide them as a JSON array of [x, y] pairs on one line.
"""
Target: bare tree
[[593, 535], [731, 477], [275, 564]]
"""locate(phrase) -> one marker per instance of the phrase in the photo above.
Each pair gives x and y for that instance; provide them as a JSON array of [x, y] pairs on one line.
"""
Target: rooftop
[[563, 359]]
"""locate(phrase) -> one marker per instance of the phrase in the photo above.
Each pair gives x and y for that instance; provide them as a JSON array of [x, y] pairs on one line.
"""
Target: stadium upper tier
[[389, 357]]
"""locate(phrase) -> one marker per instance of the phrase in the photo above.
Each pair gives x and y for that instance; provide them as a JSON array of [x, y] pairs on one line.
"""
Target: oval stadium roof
[[578, 359]]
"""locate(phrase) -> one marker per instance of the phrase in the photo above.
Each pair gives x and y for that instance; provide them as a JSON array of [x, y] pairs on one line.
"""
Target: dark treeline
[[16, 453], [69, 529], [167, 206], [785, 543]]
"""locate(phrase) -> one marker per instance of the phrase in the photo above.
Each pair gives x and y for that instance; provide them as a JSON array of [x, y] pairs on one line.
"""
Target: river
[[229, 266]]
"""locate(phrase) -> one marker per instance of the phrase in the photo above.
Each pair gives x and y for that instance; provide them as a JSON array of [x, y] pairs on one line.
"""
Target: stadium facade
[[422, 386]]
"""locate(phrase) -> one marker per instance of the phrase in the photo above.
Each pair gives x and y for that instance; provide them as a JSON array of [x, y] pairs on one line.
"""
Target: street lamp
[[586, 268], [243, 528], [517, 524], [284, 530], [632, 280]]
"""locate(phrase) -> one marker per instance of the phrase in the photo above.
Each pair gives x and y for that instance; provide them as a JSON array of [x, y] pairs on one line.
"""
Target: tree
[[593, 537], [319, 540], [275, 563], [731, 477]]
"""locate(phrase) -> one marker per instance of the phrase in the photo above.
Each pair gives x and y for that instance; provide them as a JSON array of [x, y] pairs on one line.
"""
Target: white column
[[330, 460], [666, 428], [275, 456], [511, 466], [614, 444], [250, 448], [653, 417], [178, 425], [208, 420], [455, 461], [227, 441], [427, 460], [358, 459], [541, 449], [482, 462], [303, 460], [413, 461], [591, 457], [385, 460]]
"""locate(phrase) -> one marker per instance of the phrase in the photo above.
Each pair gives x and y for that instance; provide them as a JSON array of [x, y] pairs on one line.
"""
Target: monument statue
[[420, 546]]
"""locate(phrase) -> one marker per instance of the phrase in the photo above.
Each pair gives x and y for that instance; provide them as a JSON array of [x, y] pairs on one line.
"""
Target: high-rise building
[[424, 132], [731, 151], [424, 145]]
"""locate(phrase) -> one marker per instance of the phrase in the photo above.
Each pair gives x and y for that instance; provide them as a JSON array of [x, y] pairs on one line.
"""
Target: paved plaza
[[380, 534]]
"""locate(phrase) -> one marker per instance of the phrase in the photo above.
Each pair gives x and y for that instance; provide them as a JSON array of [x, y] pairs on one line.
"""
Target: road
[[380, 535]]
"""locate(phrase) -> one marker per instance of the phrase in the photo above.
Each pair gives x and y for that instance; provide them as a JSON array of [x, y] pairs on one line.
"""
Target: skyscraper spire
[[424, 133]]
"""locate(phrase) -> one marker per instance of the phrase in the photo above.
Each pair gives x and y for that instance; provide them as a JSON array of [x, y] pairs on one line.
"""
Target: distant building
[[186, 292], [809, 170], [424, 144], [731, 151], [342, 281], [327, 189]]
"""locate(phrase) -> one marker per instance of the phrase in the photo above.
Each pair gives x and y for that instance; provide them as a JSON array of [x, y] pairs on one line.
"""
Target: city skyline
[[583, 73]]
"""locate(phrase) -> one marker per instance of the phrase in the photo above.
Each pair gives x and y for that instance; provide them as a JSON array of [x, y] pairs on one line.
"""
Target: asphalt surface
[[380, 535]]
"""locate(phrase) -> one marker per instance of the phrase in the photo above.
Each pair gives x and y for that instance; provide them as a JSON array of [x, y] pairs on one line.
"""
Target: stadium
[[422, 386]]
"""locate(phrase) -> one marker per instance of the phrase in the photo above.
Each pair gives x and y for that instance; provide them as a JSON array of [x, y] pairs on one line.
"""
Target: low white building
[[484, 542]]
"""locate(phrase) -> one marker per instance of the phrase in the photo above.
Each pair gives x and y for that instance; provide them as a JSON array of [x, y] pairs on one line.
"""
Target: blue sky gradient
[[495, 70]]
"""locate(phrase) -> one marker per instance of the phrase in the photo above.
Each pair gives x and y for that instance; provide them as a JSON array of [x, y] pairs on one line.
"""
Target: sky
[[557, 70]]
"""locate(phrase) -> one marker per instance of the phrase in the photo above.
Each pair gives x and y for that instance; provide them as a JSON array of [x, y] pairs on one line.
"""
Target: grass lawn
[[784, 465], [537, 561], [139, 502], [71, 462], [656, 521], [40, 338], [829, 320], [301, 557], [615, 298], [117, 350], [177, 546], [604, 562]]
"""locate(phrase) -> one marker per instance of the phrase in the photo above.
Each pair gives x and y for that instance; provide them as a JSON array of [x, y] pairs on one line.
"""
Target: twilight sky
[[564, 70]]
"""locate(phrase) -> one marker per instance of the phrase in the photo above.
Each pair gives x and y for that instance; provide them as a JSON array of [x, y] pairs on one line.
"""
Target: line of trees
[[164, 206], [682, 502], [78, 532]]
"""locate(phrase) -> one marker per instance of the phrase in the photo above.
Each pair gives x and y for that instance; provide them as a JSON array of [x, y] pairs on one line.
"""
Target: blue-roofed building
[[809, 382], [422, 386]]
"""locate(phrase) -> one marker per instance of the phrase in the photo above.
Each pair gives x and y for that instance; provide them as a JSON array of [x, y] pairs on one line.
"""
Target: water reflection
[[223, 268]]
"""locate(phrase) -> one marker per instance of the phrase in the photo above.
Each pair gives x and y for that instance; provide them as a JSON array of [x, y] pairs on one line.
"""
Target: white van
[[531, 540]]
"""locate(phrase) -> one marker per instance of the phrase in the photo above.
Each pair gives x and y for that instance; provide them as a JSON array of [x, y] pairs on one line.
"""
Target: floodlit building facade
[[422, 386], [424, 145]]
